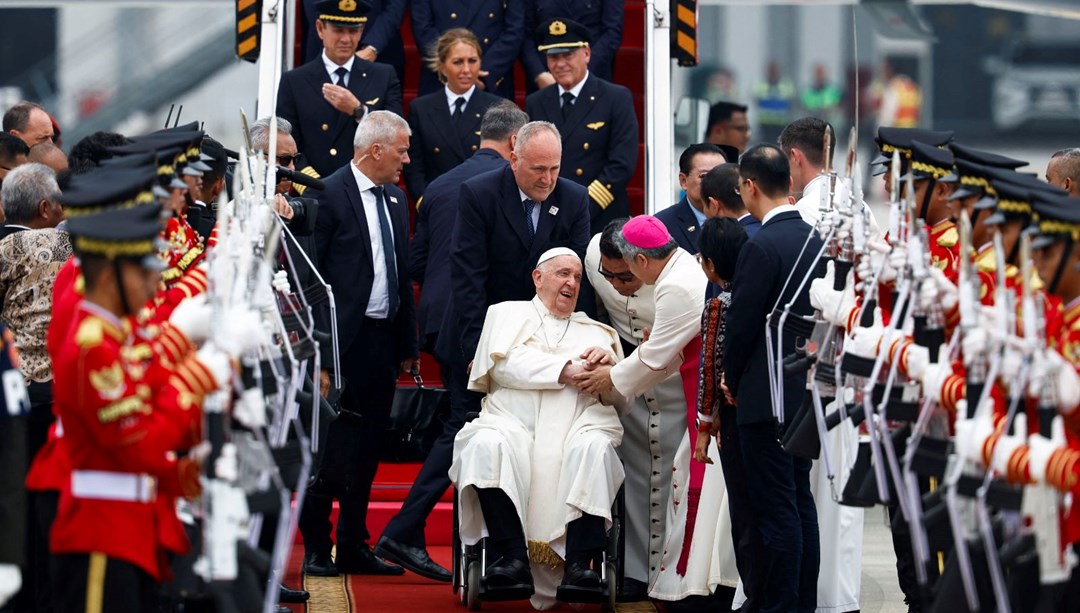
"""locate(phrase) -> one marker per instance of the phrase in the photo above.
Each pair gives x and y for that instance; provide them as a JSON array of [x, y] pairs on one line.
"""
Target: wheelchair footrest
[[522, 591], [571, 593]]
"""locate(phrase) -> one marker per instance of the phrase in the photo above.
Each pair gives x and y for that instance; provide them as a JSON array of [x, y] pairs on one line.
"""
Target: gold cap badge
[[557, 28], [347, 5]]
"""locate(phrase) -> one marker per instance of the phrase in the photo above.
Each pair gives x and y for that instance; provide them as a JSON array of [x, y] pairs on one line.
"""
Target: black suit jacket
[[599, 142], [439, 143], [603, 18], [429, 256], [324, 134], [345, 261], [499, 25], [491, 257], [681, 224], [764, 264]]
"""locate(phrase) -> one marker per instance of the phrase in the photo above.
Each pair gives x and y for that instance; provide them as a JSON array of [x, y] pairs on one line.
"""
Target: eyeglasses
[[285, 160], [625, 277], [742, 181]]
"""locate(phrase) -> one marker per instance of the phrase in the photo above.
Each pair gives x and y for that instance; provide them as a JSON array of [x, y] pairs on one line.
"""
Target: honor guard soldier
[[122, 421], [595, 119], [325, 98]]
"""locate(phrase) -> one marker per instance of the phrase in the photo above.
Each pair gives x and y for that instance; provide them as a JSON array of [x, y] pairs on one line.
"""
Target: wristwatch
[[359, 111]]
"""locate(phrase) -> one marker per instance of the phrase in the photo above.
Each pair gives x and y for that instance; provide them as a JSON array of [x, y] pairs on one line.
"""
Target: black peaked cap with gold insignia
[[899, 139], [560, 36], [1015, 191], [931, 162], [108, 188], [120, 233], [343, 13], [1057, 218]]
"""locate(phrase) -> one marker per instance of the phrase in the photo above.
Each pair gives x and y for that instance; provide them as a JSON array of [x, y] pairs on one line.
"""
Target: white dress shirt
[[783, 208], [331, 67], [576, 90], [378, 306], [451, 97], [535, 209]]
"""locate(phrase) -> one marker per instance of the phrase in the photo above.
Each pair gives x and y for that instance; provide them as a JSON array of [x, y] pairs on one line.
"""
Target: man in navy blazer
[[602, 18], [381, 39], [684, 218], [362, 233], [499, 25], [402, 540], [778, 483], [326, 97]]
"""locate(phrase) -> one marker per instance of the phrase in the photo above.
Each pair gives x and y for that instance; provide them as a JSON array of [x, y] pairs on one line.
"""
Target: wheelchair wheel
[[471, 589], [612, 586]]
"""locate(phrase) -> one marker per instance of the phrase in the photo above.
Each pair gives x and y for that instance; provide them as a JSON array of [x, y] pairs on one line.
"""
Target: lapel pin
[[393, 199], [691, 228], [554, 210]]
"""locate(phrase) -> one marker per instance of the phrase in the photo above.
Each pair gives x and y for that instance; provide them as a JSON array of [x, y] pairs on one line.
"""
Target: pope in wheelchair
[[537, 471]]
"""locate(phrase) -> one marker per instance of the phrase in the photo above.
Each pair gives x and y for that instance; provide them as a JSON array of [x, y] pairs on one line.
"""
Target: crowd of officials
[[100, 298]]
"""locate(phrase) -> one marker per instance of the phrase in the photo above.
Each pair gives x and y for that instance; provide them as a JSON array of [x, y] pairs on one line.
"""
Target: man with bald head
[[49, 155], [1063, 170], [539, 504], [29, 122]]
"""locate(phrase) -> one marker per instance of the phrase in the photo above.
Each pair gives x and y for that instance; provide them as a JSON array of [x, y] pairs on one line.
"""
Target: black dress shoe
[[580, 584], [319, 565], [290, 595], [414, 559], [507, 579], [633, 590], [360, 561]]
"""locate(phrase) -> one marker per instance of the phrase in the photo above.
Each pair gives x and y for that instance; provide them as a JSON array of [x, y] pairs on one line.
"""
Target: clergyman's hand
[[595, 356], [596, 381], [645, 332]]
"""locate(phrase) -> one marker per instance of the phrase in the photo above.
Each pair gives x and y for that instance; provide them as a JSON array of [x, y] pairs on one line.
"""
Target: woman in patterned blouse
[[719, 243]]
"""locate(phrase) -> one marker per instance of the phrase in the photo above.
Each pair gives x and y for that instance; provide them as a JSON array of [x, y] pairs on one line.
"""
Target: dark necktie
[[341, 73], [459, 108], [567, 104], [387, 233], [529, 204]]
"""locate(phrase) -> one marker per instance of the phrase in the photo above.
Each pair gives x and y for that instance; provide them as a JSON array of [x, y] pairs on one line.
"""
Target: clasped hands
[[592, 374]]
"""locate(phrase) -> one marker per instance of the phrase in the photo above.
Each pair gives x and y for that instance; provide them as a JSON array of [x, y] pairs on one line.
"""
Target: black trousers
[[35, 594], [351, 457], [744, 532], [786, 518], [914, 596], [96, 582], [430, 484]]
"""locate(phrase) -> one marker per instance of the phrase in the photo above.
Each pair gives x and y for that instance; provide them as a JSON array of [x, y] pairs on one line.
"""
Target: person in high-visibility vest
[[899, 100], [822, 99], [774, 100]]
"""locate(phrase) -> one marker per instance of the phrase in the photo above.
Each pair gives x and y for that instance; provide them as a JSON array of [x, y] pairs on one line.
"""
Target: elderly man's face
[[618, 274], [557, 282], [537, 168], [569, 68], [390, 159]]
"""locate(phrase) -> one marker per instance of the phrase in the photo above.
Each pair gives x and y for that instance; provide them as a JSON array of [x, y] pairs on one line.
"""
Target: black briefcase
[[416, 420]]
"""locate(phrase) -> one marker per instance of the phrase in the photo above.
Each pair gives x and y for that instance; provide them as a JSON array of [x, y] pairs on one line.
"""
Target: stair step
[[438, 531]]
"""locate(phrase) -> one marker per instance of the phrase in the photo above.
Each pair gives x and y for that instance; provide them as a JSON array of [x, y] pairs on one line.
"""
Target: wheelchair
[[470, 561]]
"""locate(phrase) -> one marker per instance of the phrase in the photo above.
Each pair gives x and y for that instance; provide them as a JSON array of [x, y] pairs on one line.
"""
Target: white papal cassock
[[549, 447]]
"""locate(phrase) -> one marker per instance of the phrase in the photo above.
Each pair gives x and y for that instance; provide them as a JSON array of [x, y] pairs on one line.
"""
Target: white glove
[[933, 380], [250, 408], [879, 254], [226, 467], [839, 221], [192, 317], [10, 581], [971, 434], [280, 282], [1050, 368], [948, 294], [242, 331], [864, 342], [1041, 448], [1009, 443], [918, 358], [975, 342], [218, 363], [834, 306]]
